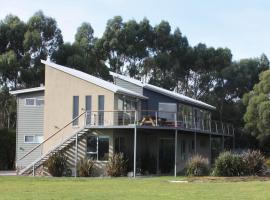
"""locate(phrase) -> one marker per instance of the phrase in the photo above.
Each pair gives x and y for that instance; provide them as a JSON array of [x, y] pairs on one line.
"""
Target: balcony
[[150, 119]]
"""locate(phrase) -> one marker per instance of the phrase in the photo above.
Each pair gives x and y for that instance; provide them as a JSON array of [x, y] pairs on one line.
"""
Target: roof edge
[[27, 90]]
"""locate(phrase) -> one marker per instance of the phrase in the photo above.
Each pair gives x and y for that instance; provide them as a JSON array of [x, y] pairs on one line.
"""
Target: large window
[[167, 111], [75, 112], [101, 109], [185, 115], [127, 105], [98, 147]]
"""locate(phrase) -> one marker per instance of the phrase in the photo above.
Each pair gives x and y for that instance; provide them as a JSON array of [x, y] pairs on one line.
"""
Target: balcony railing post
[[203, 124], [135, 117], [156, 115], [175, 120], [216, 127], [210, 126]]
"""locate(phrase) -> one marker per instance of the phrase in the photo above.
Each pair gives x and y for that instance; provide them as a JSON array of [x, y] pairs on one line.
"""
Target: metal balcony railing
[[154, 118]]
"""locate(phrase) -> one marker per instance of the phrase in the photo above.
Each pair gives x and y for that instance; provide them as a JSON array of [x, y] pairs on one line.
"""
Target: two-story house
[[157, 130]]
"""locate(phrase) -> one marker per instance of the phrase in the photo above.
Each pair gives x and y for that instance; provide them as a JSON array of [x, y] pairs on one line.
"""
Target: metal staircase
[[60, 146]]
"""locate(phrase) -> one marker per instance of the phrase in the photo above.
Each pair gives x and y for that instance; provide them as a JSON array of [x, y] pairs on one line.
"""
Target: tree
[[83, 54], [41, 40], [257, 116], [12, 31]]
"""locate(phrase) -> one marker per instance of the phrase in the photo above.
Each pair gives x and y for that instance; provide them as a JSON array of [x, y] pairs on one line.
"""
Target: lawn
[[128, 188]]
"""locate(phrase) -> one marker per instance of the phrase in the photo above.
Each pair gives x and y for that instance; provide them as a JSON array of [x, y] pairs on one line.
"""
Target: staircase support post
[[33, 169], [76, 155], [175, 153]]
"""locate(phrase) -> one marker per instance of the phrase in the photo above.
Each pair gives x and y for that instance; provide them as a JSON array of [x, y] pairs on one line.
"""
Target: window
[[30, 102], [98, 147], [119, 145], [75, 112], [29, 138], [88, 107], [33, 139], [191, 146], [34, 102], [185, 115], [39, 102], [167, 111], [100, 109], [183, 149]]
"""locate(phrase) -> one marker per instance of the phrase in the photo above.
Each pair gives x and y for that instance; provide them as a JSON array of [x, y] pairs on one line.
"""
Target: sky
[[241, 25]]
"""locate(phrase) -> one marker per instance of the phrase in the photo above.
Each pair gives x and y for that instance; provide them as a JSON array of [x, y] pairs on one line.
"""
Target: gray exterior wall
[[29, 122], [128, 85], [154, 98]]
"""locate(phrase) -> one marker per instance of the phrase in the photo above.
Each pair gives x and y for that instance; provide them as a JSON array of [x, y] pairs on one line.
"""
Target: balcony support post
[[210, 149], [223, 132], [135, 151], [175, 153]]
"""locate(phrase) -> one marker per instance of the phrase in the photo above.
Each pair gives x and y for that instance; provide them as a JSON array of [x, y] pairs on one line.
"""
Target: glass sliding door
[[101, 110]]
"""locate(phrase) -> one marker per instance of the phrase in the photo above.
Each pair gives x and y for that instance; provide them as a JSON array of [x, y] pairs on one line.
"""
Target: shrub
[[228, 164], [57, 164], [85, 167], [197, 166], [267, 163], [116, 165], [253, 162]]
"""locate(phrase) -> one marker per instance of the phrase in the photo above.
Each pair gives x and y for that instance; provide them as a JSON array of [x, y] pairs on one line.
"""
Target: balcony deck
[[132, 119]]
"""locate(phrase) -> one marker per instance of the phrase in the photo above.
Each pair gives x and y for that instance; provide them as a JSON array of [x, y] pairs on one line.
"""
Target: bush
[[267, 163], [57, 164], [197, 166], [7, 149], [228, 164], [116, 165], [85, 167], [253, 162]]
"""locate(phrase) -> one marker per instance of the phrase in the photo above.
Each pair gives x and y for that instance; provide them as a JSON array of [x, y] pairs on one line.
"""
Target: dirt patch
[[227, 179]]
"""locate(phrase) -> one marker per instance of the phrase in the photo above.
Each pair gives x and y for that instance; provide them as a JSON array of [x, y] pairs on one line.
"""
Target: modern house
[[157, 130]]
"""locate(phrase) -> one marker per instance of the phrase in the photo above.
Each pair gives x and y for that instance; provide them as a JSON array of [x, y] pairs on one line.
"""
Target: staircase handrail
[[52, 136]]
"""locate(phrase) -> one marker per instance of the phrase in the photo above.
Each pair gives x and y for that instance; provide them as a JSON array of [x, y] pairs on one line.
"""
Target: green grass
[[128, 188]]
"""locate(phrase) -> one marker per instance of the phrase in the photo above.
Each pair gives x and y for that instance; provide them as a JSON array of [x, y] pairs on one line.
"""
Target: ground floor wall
[[155, 149]]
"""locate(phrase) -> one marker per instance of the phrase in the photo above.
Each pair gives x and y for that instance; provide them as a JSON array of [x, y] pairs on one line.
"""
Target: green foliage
[[85, 167], [229, 164], [7, 149], [116, 165], [197, 166], [257, 116], [267, 163], [253, 162], [57, 164]]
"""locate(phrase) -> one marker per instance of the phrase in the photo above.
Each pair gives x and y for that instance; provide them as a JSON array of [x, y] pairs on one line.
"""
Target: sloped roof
[[28, 90], [163, 91], [92, 79]]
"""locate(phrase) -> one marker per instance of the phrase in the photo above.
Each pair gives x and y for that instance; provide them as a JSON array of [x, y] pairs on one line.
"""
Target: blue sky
[[241, 25]]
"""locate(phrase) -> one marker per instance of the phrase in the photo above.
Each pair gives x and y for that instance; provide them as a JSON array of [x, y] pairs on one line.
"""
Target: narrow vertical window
[[75, 112], [88, 108], [101, 110]]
